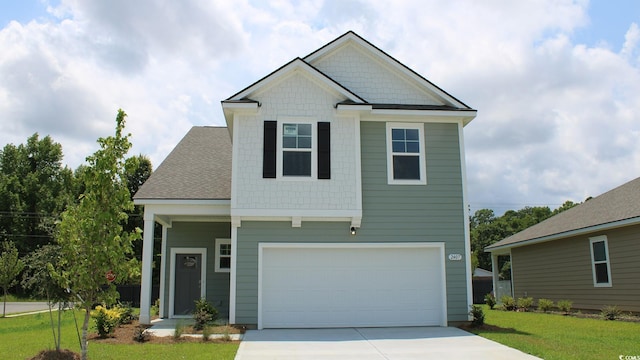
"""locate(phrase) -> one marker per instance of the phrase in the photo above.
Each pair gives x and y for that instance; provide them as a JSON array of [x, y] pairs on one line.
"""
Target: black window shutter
[[269, 150], [324, 150]]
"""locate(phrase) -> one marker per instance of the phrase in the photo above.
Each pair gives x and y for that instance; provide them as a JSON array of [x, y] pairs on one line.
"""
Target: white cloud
[[557, 119]]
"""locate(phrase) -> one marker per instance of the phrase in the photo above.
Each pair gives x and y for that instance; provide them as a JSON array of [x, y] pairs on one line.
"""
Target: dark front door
[[187, 283]]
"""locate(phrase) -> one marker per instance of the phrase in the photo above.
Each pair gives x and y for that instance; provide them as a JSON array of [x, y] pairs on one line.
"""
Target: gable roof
[[198, 168], [352, 37], [242, 99], [615, 208]]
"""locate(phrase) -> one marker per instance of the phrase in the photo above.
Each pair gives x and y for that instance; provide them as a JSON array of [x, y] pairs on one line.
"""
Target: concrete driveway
[[372, 343], [24, 307]]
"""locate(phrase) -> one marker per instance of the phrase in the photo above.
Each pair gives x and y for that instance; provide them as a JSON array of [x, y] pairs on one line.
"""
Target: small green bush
[[126, 313], [139, 335], [610, 312], [525, 303], [490, 300], [478, 315], [206, 332], [508, 303], [204, 315], [545, 305], [565, 305], [155, 308], [178, 331]]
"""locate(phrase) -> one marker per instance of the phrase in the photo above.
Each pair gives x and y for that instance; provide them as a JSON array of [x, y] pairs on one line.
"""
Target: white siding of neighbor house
[[296, 96], [370, 79]]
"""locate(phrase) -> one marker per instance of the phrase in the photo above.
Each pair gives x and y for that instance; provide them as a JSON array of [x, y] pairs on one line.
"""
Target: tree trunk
[[53, 329], [85, 327], [60, 308], [4, 307]]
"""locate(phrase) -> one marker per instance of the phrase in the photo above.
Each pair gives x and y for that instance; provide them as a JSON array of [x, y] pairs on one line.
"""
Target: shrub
[[206, 332], [478, 315], [490, 300], [106, 320], [126, 313], [545, 305], [178, 331], [610, 312], [204, 315], [155, 308], [508, 303], [565, 305], [525, 303], [139, 335]]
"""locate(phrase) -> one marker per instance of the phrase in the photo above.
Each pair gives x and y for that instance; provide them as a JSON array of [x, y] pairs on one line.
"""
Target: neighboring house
[[589, 254], [482, 284], [343, 204]]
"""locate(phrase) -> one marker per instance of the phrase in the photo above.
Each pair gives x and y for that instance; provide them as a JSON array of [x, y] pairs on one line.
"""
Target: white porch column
[[496, 274], [147, 266]]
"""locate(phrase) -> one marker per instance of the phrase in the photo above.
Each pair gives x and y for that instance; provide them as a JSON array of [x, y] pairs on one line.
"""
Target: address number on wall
[[455, 257]]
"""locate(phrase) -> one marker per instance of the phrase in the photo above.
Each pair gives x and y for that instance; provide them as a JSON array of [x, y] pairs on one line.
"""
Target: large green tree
[[90, 233], [10, 267], [34, 189]]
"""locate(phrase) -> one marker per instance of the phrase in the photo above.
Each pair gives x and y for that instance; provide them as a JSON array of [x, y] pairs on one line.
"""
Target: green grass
[[551, 336], [25, 336]]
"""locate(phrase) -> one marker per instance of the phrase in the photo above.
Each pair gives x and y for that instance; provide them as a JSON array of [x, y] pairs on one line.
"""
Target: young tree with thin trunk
[[10, 267], [96, 252]]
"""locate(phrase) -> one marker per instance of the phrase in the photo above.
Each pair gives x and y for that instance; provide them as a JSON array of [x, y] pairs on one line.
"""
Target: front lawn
[[25, 336], [551, 336]]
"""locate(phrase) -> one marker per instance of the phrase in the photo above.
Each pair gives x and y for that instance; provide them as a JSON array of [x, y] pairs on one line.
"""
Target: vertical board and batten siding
[[201, 235], [391, 213], [561, 269], [424, 213]]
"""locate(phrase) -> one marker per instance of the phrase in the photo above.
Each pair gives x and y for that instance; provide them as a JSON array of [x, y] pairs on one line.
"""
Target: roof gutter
[[566, 234]]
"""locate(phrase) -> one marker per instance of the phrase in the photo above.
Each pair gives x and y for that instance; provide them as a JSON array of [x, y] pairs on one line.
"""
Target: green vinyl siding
[[391, 213], [201, 235], [426, 213], [562, 269]]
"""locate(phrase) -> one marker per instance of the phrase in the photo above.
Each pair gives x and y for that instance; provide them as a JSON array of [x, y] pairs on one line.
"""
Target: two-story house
[[335, 197]]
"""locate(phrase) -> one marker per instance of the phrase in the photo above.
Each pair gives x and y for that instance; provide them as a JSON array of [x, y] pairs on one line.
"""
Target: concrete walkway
[[24, 308], [373, 343], [167, 327]]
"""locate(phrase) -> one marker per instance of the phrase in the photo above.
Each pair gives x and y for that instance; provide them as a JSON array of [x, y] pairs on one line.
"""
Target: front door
[[188, 282]]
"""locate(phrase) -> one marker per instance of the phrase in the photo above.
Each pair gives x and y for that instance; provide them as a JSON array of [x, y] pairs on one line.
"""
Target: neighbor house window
[[405, 154], [600, 264], [223, 255]]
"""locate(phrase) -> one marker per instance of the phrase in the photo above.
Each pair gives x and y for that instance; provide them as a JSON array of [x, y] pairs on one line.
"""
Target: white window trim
[[314, 147], [421, 155], [219, 242], [601, 238]]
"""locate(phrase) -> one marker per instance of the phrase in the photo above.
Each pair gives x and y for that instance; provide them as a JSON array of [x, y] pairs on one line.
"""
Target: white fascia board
[[505, 249], [288, 213], [232, 109], [193, 209], [215, 202], [348, 109]]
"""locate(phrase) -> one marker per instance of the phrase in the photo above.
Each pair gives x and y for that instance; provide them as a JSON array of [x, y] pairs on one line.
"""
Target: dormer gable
[[376, 76]]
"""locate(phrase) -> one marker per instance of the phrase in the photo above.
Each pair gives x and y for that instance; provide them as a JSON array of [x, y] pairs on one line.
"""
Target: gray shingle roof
[[621, 203], [198, 168]]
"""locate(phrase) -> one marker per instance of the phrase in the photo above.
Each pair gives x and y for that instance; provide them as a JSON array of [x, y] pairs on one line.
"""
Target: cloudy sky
[[556, 83]]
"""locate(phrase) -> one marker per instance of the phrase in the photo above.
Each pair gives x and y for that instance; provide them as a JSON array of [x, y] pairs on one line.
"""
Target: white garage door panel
[[345, 286]]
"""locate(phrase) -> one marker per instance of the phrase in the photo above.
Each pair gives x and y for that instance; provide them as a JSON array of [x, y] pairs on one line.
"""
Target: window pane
[[225, 262], [225, 249], [304, 142], [289, 142], [412, 134], [289, 129], [602, 276], [304, 129], [406, 167], [413, 147], [398, 146], [599, 253], [397, 134], [296, 163]]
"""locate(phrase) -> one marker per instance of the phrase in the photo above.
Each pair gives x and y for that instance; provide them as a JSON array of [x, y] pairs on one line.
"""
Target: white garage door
[[349, 285]]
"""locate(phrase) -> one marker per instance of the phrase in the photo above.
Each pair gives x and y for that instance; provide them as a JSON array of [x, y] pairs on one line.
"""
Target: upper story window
[[600, 265], [296, 148], [405, 154]]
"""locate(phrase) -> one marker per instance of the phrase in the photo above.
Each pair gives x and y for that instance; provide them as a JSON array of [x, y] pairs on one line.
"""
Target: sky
[[556, 83]]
